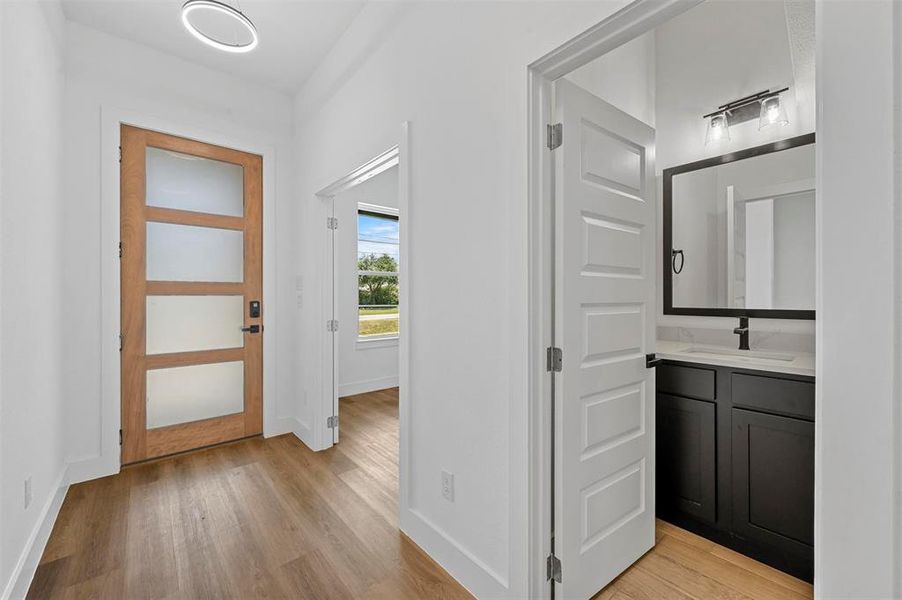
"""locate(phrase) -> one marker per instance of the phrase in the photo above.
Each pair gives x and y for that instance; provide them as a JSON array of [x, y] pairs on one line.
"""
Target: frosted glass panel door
[[188, 253], [192, 306], [185, 182], [191, 323], [184, 394]]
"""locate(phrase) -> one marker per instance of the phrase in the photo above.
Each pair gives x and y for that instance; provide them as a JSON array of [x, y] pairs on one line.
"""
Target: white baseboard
[[300, 430], [279, 426], [477, 577], [20, 579], [95, 467], [303, 432], [368, 385]]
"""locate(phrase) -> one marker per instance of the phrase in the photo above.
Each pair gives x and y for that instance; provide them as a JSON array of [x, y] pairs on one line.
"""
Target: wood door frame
[[323, 407], [106, 460], [630, 22]]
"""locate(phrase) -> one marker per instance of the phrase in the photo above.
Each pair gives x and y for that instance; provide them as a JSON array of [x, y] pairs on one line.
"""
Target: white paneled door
[[604, 325]]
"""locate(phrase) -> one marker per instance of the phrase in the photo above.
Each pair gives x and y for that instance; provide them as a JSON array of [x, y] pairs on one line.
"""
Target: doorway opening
[[365, 304], [627, 461]]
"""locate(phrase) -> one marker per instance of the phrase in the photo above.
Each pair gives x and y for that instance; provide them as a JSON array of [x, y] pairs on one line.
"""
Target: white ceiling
[[295, 35]]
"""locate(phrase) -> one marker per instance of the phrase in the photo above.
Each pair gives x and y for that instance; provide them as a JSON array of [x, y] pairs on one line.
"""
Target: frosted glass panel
[[186, 323], [185, 394], [188, 253], [185, 182]]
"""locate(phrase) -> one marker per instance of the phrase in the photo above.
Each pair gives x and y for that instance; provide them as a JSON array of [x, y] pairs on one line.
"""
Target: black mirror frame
[[758, 313]]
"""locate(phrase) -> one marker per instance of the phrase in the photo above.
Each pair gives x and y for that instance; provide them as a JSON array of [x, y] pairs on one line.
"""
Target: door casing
[[325, 404], [333, 274]]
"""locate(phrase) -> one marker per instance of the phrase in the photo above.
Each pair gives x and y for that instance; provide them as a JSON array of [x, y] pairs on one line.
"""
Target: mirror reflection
[[743, 233]]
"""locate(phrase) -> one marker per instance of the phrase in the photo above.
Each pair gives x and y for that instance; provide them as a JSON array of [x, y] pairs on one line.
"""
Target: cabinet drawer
[[692, 382], [772, 394]]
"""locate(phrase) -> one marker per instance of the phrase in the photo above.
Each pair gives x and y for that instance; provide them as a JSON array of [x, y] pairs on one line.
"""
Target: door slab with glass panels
[[191, 294]]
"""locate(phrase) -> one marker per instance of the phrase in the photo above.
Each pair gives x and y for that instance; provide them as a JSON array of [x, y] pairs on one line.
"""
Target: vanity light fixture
[[193, 8], [766, 106]]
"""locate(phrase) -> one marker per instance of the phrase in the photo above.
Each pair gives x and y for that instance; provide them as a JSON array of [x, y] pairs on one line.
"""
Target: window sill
[[381, 342]]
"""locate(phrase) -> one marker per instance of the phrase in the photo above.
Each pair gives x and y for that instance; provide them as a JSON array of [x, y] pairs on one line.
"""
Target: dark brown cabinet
[[735, 460], [686, 473], [773, 480]]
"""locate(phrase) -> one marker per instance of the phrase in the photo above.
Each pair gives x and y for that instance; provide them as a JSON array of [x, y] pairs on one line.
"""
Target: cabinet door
[[686, 457], [773, 481]]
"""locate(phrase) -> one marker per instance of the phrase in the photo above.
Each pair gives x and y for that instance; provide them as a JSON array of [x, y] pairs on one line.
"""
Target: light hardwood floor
[[254, 519], [271, 519], [684, 566]]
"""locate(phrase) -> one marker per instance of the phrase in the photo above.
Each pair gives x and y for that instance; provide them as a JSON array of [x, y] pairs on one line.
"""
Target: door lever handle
[[252, 329]]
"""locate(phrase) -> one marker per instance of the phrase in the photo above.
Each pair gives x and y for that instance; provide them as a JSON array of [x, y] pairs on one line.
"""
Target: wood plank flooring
[[254, 519], [271, 519], [684, 566]]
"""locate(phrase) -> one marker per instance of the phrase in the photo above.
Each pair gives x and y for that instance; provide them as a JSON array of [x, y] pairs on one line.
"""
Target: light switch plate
[[448, 486]]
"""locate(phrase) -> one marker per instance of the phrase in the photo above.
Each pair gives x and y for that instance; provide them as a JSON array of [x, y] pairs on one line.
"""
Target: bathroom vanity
[[735, 453], [735, 427]]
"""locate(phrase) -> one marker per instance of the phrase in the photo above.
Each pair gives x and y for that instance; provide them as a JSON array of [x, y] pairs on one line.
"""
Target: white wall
[[699, 230], [372, 365], [457, 72], [858, 516], [106, 72], [624, 77], [794, 251], [31, 264]]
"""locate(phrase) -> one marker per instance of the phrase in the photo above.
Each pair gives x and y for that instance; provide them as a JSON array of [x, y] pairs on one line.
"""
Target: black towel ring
[[673, 255]]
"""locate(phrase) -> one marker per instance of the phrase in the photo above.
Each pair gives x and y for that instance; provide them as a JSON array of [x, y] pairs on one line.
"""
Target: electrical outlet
[[28, 492], [448, 486]]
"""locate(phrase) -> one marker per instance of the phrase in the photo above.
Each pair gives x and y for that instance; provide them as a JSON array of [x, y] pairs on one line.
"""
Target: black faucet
[[743, 332]]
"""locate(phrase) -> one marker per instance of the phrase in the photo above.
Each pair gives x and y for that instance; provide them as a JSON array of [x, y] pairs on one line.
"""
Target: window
[[378, 256]]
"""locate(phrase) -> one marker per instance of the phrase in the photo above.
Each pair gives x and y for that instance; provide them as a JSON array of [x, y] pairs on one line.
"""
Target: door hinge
[[120, 342], [120, 154], [555, 135], [553, 569], [120, 437], [120, 249], [332, 422], [331, 222], [332, 325], [554, 360]]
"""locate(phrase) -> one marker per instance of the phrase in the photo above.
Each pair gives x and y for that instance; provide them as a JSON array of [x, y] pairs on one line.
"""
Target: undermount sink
[[748, 355]]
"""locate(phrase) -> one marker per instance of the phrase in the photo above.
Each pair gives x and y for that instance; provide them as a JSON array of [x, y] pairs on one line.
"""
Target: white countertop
[[777, 361]]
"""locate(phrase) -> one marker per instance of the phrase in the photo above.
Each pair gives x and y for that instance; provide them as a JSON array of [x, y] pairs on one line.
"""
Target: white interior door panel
[[604, 325]]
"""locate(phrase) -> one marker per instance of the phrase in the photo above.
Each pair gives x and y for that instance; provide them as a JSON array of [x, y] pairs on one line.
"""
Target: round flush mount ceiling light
[[219, 25]]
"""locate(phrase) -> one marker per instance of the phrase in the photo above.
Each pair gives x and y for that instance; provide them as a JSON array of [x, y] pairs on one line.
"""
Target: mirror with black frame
[[739, 233]]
